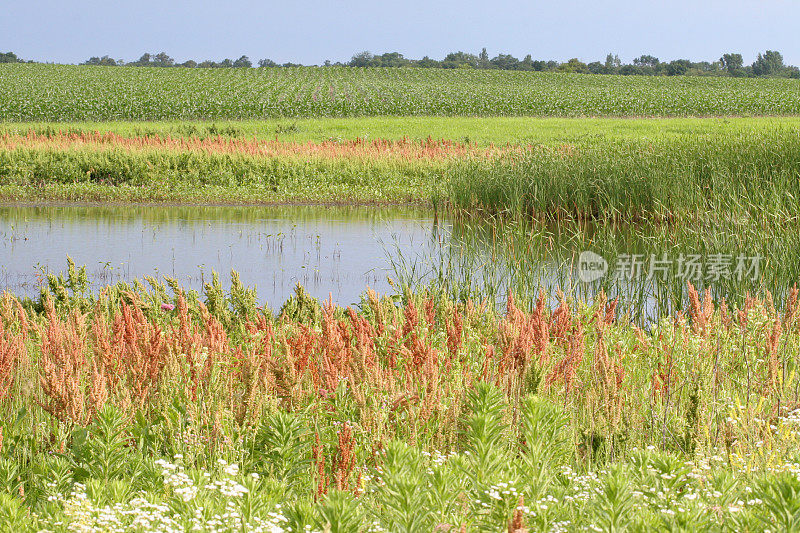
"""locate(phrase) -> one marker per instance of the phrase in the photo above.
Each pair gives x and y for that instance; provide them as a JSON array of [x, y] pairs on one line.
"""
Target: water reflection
[[337, 250], [342, 250]]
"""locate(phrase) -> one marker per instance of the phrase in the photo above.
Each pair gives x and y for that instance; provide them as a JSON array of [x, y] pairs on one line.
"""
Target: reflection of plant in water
[[486, 259]]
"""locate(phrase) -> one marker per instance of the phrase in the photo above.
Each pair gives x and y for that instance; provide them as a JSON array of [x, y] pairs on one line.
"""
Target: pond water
[[340, 251], [330, 250]]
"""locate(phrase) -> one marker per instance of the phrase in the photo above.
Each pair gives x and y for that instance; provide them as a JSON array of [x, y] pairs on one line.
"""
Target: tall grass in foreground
[[144, 407], [756, 174]]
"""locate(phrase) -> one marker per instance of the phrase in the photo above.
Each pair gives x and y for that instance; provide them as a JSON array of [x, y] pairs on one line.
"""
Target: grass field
[[482, 131], [70, 93]]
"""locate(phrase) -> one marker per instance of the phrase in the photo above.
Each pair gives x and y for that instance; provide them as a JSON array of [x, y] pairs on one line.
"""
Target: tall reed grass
[[750, 175]]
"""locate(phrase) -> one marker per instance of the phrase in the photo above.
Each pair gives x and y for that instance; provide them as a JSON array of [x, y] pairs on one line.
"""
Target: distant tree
[[427, 62], [10, 57], [101, 61], [793, 72], [361, 59], [646, 61], [631, 70], [539, 65], [596, 67], [706, 67], [612, 64], [574, 65], [207, 64], [327, 63], [733, 63], [243, 62], [504, 62], [483, 59], [678, 67], [225, 63], [191, 63], [392, 59], [768, 64], [264, 63], [526, 64], [161, 59], [460, 60], [143, 61]]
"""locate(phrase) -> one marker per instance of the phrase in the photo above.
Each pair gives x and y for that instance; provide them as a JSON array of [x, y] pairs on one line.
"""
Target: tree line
[[770, 63], [11, 57]]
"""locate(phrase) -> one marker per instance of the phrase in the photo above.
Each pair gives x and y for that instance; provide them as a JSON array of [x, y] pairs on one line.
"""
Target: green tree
[[733, 63], [361, 59], [526, 64], [483, 59], [161, 59], [243, 62], [105, 61], [678, 67], [265, 63], [460, 59], [505, 62], [596, 67], [427, 62], [633, 70], [612, 64], [10, 57], [770, 63], [143, 61], [574, 65], [393, 59], [646, 61]]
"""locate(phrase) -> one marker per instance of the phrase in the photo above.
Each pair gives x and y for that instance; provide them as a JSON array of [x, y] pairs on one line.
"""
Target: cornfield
[[70, 93]]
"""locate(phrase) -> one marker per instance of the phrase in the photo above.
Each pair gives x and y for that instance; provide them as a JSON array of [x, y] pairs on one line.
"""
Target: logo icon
[[591, 267]]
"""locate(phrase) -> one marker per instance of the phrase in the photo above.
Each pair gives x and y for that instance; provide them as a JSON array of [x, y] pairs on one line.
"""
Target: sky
[[310, 32]]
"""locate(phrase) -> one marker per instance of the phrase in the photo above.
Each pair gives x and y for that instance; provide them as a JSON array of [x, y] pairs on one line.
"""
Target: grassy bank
[[482, 131], [99, 168], [627, 169], [142, 407]]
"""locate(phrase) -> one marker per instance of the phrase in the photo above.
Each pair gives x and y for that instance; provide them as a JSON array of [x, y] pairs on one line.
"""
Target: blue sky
[[311, 31]]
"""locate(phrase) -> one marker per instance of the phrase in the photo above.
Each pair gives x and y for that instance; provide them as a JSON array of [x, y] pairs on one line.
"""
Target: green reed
[[733, 176]]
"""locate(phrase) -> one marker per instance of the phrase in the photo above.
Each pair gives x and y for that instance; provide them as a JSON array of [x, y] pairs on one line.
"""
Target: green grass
[[70, 93], [480, 130], [627, 168], [168, 176], [731, 176]]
